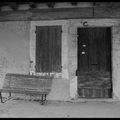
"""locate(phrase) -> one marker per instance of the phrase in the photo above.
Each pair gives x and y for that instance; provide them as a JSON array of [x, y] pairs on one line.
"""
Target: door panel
[[94, 62], [48, 48]]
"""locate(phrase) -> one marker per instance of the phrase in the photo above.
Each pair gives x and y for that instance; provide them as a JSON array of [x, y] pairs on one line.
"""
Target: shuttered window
[[48, 48]]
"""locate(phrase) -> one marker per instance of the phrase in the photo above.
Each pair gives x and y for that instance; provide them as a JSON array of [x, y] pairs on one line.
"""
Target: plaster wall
[[16, 53], [14, 47], [61, 83], [115, 28], [17, 48], [60, 90]]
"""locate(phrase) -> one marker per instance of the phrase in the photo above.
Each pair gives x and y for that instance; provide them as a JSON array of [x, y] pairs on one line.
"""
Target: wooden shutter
[[48, 48]]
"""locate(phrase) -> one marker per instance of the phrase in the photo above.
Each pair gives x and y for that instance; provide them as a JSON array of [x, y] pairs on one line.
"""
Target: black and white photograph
[[59, 59]]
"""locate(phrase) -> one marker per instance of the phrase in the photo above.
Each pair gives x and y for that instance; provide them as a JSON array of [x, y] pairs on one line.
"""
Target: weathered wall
[[15, 55], [46, 14], [61, 13], [60, 90], [115, 27], [60, 85], [14, 47], [15, 43]]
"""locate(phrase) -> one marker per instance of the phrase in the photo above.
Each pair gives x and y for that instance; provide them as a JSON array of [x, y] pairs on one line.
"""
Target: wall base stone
[[59, 90]]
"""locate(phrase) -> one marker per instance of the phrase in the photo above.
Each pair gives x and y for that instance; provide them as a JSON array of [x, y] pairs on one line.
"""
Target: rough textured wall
[[115, 51], [60, 90], [14, 56], [46, 14], [14, 46]]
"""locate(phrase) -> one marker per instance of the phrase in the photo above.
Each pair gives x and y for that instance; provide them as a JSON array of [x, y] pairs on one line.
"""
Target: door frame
[[115, 47], [64, 50]]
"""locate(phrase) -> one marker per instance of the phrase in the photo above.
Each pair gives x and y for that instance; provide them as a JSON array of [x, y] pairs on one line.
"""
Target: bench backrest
[[20, 81]]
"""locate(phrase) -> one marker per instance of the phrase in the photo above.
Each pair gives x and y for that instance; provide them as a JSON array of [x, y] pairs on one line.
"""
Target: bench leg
[[43, 99], [9, 94], [45, 96], [1, 97]]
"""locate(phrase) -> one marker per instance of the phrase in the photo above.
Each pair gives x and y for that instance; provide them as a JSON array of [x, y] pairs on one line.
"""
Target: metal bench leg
[[45, 96], [1, 97], [9, 94], [42, 101], [9, 97]]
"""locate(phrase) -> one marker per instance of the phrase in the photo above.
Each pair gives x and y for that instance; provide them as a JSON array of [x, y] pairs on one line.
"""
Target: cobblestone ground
[[57, 109]]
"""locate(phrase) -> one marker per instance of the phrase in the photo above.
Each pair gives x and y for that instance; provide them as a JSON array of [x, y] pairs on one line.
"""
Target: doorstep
[[94, 100]]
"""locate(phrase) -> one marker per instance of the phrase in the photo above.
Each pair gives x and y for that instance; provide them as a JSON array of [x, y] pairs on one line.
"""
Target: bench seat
[[14, 90], [27, 84]]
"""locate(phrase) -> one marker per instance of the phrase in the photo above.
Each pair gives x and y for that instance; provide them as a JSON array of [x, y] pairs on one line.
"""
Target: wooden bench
[[26, 84]]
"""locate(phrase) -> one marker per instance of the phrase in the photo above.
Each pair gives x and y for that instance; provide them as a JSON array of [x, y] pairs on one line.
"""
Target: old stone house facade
[[71, 31]]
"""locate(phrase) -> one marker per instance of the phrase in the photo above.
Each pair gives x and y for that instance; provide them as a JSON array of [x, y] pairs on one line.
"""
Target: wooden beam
[[106, 12], [32, 5], [14, 6], [74, 3], [46, 14], [51, 4]]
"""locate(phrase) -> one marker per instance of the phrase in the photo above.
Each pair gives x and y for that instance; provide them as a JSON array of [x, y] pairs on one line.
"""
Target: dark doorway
[[94, 62], [48, 49]]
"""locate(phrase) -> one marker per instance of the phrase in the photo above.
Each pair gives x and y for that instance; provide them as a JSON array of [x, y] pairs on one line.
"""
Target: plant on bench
[[26, 84]]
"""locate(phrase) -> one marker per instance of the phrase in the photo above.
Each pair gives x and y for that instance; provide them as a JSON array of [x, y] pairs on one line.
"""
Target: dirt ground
[[58, 109]]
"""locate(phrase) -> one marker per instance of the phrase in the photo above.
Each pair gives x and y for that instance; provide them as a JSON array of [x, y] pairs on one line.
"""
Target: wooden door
[[48, 48], [94, 62]]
